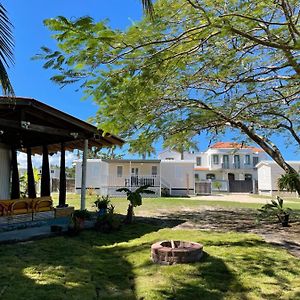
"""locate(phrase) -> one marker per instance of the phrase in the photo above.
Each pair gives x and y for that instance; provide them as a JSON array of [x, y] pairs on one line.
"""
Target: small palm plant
[[288, 182], [135, 199], [275, 208]]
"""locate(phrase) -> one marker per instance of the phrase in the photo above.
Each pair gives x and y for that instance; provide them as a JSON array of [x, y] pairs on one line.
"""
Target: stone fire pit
[[176, 252]]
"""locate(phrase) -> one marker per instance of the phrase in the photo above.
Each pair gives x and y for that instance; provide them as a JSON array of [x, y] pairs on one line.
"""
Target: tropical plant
[[102, 202], [24, 182], [288, 182], [108, 221], [275, 208], [6, 51], [217, 185], [135, 199]]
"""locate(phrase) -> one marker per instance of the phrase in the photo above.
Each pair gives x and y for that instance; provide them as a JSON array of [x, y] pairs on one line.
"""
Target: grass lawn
[[117, 266], [152, 205]]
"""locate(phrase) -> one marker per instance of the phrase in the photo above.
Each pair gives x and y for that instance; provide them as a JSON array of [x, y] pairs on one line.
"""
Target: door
[[225, 162], [237, 162], [134, 176], [230, 176]]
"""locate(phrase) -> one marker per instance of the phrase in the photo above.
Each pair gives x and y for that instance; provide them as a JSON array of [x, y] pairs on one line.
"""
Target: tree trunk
[[129, 216], [271, 150]]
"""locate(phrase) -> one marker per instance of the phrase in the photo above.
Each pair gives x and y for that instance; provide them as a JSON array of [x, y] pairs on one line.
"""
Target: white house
[[269, 173], [232, 165], [105, 176]]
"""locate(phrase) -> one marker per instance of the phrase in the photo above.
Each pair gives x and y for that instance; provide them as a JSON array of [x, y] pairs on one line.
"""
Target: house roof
[[201, 169], [272, 163], [234, 145], [149, 161], [26, 122]]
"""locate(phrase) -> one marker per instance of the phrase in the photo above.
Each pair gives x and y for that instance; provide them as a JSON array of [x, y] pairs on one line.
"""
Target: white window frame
[[152, 169], [247, 159], [119, 173], [215, 159]]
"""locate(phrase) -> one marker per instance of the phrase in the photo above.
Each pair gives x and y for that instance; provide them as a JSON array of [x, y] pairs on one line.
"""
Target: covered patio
[[30, 126]]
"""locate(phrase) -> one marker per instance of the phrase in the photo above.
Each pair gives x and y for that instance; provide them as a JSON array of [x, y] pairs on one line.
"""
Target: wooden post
[[15, 180], [62, 177], [45, 180], [30, 176], [83, 174]]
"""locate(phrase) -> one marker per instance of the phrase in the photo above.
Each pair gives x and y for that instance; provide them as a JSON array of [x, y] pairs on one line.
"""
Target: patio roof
[[26, 122]]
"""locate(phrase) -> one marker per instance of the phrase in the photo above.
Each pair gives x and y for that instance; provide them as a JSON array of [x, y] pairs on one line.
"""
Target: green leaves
[[193, 69], [135, 197]]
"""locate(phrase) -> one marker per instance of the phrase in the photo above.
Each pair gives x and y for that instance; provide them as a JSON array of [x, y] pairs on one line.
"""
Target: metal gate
[[203, 188], [240, 186]]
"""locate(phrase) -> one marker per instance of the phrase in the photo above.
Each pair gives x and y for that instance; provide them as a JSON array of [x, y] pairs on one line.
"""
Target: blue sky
[[31, 80]]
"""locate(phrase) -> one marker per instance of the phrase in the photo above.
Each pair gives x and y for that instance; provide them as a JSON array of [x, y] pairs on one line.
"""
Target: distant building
[[269, 173]]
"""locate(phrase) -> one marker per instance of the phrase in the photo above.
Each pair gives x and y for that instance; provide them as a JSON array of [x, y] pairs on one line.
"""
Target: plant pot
[[79, 223], [102, 211], [285, 220]]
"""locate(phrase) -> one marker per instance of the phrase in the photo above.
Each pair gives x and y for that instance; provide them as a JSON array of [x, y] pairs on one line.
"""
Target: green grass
[[118, 266], [153, 205]]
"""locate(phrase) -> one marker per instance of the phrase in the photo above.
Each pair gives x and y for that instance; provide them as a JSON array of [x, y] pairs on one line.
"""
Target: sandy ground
[[236, 197]]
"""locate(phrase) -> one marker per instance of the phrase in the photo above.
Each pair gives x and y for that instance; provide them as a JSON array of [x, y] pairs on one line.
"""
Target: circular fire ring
[[176, 252]]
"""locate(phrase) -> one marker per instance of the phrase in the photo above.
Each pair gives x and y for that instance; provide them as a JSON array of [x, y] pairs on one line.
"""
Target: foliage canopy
[[198, 66]]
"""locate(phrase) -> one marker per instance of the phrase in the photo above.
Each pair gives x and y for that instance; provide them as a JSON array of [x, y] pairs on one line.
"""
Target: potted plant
[[135, 199], [108, 221], [102, 204], [77, 220], [275, 208]]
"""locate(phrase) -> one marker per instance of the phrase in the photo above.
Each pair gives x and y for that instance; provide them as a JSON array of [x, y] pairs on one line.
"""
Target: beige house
[[105, 176]]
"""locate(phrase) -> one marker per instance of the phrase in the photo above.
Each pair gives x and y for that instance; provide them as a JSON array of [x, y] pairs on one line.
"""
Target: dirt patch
[[239, 220]]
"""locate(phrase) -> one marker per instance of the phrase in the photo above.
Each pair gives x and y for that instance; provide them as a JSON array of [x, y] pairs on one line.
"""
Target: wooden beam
[[45, 180], [30, 176], [62, 177], [28, 126], [15, 180], [83, 175]]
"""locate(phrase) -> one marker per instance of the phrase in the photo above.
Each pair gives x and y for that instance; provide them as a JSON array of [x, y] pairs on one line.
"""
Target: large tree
[[199, 65], [6, 51]]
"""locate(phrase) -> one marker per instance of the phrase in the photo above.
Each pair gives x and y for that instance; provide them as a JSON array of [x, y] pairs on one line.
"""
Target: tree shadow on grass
[[210, 279], [240, 220], [89, 266]]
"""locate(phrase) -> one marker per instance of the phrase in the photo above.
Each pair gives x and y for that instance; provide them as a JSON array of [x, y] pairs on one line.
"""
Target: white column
[[130, 174], [83, 175], [5, 172]]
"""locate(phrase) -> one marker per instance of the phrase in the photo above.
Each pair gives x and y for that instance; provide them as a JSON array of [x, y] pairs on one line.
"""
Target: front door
[[230, 176], [134, 176]]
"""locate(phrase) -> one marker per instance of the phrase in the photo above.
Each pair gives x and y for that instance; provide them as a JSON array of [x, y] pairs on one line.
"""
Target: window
[[52, 171], [119, 171], [210, 176], [154, 170], [247, 159], [215, 159], [225, 161], [248, 176], [237, 163], [198, 161], [255, 161]]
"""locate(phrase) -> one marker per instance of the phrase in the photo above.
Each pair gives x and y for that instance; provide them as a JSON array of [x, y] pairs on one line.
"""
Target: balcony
[[225, 165]]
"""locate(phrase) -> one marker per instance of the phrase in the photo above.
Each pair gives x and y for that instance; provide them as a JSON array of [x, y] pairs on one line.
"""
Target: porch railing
[[135, 180]]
